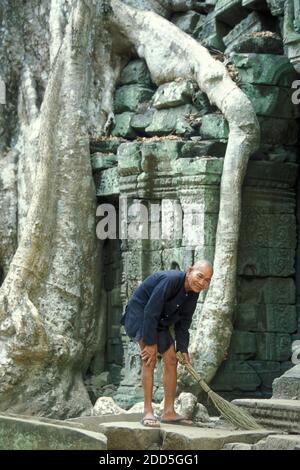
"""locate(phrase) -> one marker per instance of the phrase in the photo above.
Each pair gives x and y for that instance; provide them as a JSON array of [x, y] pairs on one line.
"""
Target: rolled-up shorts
[[134, 330]]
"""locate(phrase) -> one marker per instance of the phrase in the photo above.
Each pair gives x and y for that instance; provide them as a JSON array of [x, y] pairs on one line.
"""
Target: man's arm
[[182, 335]]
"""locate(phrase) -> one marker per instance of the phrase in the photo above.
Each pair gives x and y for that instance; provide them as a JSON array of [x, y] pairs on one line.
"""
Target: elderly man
[[164, 299]]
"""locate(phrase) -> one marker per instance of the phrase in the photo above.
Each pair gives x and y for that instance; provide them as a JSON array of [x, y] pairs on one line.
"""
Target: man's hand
[[186, 357], [149, 354]]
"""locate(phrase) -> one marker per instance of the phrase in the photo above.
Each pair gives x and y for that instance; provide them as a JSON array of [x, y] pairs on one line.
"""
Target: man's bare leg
[[170, 382], [147, 382]]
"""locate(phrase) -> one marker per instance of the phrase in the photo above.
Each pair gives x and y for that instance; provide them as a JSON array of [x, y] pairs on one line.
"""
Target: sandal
[[147, 422]]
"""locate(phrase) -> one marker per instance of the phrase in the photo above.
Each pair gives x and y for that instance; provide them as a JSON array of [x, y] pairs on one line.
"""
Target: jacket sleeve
[[182, 335], [153, 309]]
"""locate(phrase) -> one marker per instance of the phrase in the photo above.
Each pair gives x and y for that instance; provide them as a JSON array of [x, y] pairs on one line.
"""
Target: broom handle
[[193, 372]]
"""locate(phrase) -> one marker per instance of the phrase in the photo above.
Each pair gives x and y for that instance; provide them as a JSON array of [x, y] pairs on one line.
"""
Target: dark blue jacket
[[158, 302]]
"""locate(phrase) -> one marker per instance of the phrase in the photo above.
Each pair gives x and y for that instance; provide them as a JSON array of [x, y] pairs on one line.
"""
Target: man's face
[[199, 278]]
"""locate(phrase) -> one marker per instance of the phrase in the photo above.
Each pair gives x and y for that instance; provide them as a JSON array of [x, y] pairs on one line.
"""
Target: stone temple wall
[[167, 147]]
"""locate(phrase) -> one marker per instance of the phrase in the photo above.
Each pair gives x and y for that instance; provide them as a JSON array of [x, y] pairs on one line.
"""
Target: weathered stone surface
[[273, 346], [280, 414], [276, 131], [272, 290], [106, 406], [140, 121], [204, 148], [186, 5], [255, 22], [189, 22], [21, 433], [102, 161], [105, 145], [263, 317], [129, 97], [123, 127], [266, 262], [212, 32], [166, 121], [136, 71], [214, 126], [265, 69], [291, 32], [230, 11], [235, 375], [271, 100], [108, 183], [237, 446], [243, 342], [172, 437], [267, 371], [172, 94], [288, 385], [276, 6], [258, 43], [159, 155], [129, 158], [278, 443]]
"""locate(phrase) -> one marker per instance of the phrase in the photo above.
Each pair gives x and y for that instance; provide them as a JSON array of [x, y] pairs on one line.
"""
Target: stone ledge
[[274, 413], [32, 433], [173, 437]]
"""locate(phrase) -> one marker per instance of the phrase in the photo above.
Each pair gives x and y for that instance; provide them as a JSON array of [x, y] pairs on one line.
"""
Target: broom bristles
[[232, 413]]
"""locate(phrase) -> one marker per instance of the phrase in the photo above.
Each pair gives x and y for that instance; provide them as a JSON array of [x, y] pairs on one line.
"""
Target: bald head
[[204, 263], [199, 275]]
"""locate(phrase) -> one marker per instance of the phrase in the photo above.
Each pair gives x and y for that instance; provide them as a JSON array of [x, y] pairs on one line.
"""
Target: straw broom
[[232, 413]]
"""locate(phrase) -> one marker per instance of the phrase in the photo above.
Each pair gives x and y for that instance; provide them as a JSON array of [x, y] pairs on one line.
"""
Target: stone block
[[109, 182], [105, 145], [266, 262], [33, 433], [259, 5], [103, 161], [268, 230], [129, 97], [243, 342], [276, 131], [273, 346], [230, 12], [271, 101], [186, 5], [204, 148], [208, 169], [283, 175], [159, 155], [214, 126], [265, 69], [270, 318], [267, 371], [172, 94], [278, 443], [182, 255], [212, 32], [140, 121], [235, 375], [129, 158], [254, 22], [136, 71], [166, 121], [276, 6], [189, 22], [269, 290], [123, 126], [276, 154], [265, 42], [288, 385]]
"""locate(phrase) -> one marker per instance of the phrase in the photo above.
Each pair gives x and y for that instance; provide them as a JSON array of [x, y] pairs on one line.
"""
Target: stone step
[[274, 413]]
